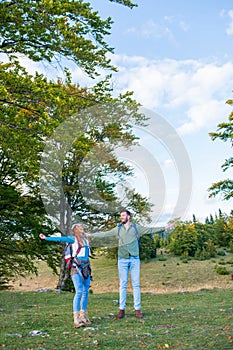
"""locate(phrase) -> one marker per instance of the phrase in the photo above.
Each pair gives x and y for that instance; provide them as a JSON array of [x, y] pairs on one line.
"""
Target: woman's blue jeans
[[81, 286], [132, 265]]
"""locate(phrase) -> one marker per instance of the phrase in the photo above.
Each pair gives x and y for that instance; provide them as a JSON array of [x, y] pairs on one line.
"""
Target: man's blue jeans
[[132, 265], [81, 286]]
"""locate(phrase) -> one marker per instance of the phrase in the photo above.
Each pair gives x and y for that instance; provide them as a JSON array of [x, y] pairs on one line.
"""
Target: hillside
[[165, 274]]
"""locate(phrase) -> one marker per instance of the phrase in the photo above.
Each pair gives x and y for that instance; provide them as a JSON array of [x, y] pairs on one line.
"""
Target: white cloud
[[201, 115], [131, 30], [191, 92], [222, 13], [152, 30], [184, 26], [195, 91], [169, 18], [229, 29]]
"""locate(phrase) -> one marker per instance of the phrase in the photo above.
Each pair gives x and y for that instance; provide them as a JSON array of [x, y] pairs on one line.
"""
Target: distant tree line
[[188, 239], [202, 240]]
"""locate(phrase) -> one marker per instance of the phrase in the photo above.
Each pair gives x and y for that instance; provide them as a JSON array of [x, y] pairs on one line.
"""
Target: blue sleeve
[[65, 239]]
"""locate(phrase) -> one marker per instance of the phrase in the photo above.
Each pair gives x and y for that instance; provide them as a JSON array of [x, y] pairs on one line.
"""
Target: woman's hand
[[42, 236]]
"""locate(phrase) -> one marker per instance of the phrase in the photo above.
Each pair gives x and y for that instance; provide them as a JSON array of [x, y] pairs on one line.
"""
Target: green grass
[[197, 320], [187, 306]]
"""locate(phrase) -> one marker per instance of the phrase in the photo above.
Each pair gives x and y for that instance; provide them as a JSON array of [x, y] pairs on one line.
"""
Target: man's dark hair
[[126, 211]]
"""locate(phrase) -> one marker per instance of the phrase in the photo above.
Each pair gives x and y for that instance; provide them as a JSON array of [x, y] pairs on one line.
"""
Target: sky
[[177, 58]]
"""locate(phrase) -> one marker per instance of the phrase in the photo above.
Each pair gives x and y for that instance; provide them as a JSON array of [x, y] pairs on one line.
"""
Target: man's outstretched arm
[[104, 238], [151, 231]]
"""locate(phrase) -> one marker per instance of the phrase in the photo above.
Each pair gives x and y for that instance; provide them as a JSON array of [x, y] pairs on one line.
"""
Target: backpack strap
[[136, 230], [79, 248], [71, 249], [68, 255], [118, 230], [70, 259]]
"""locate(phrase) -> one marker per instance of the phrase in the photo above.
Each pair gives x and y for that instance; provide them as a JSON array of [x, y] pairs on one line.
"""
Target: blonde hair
[[79, 233], [74, 225]]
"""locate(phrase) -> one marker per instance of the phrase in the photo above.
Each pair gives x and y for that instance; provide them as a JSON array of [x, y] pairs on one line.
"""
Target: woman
[[80, 251]]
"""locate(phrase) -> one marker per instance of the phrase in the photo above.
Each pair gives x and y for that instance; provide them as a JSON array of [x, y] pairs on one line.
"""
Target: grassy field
[[157, 276], [187, 305], [197, 320]]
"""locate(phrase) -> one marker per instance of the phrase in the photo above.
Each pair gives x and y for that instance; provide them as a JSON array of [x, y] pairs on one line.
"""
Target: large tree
[[225, 134], [32, 107]]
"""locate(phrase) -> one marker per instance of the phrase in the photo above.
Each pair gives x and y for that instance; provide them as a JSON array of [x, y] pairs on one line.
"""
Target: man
[[128, 259]]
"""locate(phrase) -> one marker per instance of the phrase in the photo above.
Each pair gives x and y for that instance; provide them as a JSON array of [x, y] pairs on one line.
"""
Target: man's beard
[[125, 221]]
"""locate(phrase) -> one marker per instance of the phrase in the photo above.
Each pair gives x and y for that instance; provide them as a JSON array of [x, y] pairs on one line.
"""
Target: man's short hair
[[126, 211]]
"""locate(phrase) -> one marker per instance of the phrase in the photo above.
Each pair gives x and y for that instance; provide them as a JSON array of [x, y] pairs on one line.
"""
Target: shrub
[[147, 247], [183, 240], [193, 240], [162, 258], [221, 253], [221, 270], [185, 261], [222, 262], [223, 231], [231, 246], [207, 252]]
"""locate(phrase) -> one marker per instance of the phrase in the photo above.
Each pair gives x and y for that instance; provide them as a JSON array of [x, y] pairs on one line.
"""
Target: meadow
[[186, 304]]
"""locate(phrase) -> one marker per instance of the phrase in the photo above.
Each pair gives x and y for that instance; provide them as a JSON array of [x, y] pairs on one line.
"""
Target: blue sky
[[177, 56], [175, 29]]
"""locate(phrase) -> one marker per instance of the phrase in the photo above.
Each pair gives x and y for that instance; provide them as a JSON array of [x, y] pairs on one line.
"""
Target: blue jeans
[[81, 286], [132, 265]]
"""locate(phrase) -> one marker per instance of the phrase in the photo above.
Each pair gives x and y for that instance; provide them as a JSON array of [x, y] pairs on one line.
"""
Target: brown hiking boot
[[83, 317], [77, 322], [120, 314], [138, 314]]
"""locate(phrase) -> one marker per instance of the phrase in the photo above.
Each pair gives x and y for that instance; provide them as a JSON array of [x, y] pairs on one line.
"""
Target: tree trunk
[[65, 226], [64, 273]]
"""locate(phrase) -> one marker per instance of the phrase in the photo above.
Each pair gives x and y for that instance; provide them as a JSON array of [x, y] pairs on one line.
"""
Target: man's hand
[[42, 236]]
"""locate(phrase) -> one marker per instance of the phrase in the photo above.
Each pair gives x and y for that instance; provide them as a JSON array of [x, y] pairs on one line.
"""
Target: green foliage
[[221, 270], [231, 246], [49, 30], [222, 262], [183, 240], [207, 252], [68, 285], [162, 258], [147, 247], [224, 133], [22, 219], [221, 253], [111, 253], [223, 230], [32, 107], [125, 2], [200, 240]]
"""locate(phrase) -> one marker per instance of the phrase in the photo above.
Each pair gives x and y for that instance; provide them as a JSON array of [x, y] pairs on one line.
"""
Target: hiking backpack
[[82, 264], [69, 258]]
